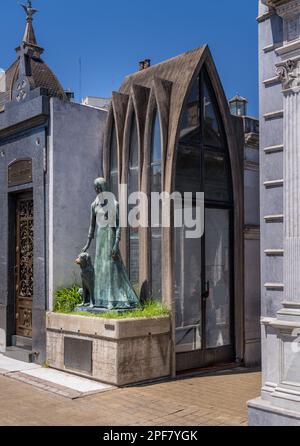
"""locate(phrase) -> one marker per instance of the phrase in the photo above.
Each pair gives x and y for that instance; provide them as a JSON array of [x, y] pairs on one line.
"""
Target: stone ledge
[[108, 328], [278, 114], [24, 116], [280, 324]]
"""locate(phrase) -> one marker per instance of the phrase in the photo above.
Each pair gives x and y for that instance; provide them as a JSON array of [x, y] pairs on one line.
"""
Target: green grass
[[149, 310], [66, 299]]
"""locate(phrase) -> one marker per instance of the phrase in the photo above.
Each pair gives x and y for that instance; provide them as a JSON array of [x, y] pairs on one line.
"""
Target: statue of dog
[[88, 279]]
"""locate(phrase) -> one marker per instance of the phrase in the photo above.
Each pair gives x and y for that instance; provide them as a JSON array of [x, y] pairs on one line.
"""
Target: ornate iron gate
[[24, 266]]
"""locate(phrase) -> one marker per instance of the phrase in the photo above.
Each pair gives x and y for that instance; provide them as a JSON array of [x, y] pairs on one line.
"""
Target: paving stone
[[196, 401]]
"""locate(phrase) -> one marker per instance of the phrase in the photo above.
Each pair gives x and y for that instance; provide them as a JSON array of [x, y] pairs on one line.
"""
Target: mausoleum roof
[[177, 70], [30, 67], [41, 77]]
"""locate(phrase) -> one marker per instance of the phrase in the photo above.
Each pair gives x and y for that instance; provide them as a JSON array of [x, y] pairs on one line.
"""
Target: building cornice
[[283, 7]]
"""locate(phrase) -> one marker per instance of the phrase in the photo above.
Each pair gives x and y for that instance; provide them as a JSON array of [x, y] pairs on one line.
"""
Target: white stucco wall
[[74, 161]]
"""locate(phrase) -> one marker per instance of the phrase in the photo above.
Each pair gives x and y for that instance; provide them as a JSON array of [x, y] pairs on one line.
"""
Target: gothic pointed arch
[[198, 132]]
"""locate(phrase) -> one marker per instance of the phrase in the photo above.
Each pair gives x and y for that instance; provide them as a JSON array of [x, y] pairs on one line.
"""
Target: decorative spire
[[29, 36]]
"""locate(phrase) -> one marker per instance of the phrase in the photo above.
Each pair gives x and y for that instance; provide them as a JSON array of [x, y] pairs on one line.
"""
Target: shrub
[[66, 299]]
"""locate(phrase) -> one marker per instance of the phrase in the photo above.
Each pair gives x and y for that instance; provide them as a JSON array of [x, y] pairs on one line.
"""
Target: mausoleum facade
[[170, 130], [50, 151]]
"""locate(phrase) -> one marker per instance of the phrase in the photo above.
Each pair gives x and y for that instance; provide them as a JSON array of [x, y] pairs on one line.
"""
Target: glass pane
[[217, 268], [134, 145], [216, 177], [114, 150], [190, 123], [134, 258], [188, 169], [156, 156], [156, 141], [156, 263], [211, 133], [114, 184], [188, 290], [156, 186], [156, 178], [188, 166]]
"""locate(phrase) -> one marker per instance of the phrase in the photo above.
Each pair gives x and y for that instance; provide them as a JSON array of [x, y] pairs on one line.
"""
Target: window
[[133, 186], [211, 131], [114, 168], [203, 166], [190, 123], [215, 176], [188, 150], [156, 186]]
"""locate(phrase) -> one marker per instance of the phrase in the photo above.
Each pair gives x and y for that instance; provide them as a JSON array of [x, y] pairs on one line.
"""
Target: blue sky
[[111, 37]]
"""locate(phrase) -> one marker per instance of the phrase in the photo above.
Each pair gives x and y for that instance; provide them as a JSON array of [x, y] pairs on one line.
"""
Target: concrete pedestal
[[114, 351]]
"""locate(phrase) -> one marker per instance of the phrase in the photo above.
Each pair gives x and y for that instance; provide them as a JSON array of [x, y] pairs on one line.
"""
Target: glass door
[[217, 297], [204, 333]]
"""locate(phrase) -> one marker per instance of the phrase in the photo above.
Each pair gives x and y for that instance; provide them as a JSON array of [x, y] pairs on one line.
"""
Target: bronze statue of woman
[[113, 290]]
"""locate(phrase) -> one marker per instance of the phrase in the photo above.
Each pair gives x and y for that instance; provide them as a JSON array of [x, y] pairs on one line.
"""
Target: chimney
[[70, 95], [144, 64]]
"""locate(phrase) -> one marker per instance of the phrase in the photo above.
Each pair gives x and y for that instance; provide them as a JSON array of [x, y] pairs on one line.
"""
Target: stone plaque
[[110, 327], [20, 172], [78, 354]]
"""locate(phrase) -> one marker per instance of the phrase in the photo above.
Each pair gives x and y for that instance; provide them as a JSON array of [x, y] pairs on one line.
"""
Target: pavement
[[34, 396], [60, 383]]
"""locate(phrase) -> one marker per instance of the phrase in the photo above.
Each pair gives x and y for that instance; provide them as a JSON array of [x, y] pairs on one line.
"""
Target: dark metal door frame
[[24, 264], [211, 356], [208, 357]]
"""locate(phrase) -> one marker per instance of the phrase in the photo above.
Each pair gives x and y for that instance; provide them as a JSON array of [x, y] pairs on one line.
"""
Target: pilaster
[[289, 73]]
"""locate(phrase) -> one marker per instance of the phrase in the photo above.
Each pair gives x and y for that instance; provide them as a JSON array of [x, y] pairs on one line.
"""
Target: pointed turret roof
[[29, 71], [238, 98]]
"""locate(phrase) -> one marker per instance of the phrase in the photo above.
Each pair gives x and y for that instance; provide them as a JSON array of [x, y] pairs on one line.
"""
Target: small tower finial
[[30, 11], [29, 36]]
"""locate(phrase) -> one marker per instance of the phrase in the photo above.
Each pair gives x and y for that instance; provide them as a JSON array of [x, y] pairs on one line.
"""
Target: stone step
[[22, 342], [19, 354]]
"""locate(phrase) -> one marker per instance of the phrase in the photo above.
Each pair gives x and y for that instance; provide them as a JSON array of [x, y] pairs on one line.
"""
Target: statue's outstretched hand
[[86, 247]]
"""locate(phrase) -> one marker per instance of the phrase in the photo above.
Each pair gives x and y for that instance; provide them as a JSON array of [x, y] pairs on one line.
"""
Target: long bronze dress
[[113, 289]]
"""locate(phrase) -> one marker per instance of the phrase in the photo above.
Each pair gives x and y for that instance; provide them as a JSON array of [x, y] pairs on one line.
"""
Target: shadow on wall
[[277, 29]]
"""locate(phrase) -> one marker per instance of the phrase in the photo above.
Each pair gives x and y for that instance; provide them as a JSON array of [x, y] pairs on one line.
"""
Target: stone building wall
[[271, 162], [23, 134], [75, 153], [279, 35]]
